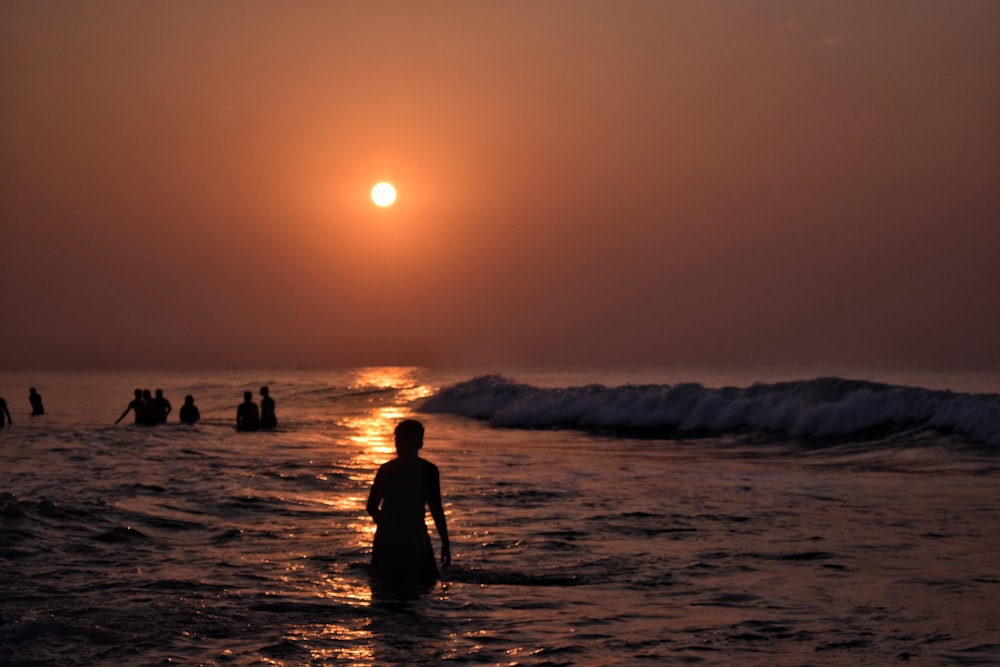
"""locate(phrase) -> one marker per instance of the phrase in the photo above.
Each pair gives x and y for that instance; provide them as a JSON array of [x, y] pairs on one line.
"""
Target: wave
[[809, 409]]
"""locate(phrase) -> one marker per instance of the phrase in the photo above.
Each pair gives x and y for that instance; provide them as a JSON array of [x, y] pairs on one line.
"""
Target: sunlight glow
[[384, 194], [400, 378]]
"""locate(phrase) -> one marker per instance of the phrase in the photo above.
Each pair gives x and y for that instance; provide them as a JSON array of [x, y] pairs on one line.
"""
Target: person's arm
[[374, 501], [437, 512], [124, 413]]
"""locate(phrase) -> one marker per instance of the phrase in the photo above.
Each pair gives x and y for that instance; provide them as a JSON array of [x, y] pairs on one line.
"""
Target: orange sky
[[186, 183]]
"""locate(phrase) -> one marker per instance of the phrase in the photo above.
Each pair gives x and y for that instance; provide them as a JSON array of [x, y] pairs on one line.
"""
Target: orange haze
[[186, 183]]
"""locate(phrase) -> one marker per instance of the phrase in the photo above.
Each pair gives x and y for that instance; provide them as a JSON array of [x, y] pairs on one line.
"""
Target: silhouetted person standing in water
[[189, 411], [403, 488], [267, 417], [146, 416], [5, 411], [159, 408], [137, 406], [247, 416], [36, 402]]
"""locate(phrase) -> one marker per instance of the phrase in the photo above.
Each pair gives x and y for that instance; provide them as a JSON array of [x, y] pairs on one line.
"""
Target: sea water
[[597, 517]]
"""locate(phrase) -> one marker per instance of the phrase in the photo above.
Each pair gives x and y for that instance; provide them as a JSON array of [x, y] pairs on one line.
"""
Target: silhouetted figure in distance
[[138, 408], [147, 417], [159, 408], [36, 402], [247, 415], [189, 411], [5, 411], [403, 488], [267, 416]]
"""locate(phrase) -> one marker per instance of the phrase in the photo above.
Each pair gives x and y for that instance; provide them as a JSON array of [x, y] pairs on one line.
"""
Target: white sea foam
[[808, 409]]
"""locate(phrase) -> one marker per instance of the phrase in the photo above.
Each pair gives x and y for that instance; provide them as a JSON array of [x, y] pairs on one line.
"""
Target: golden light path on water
[[372, 435], [203, 546]]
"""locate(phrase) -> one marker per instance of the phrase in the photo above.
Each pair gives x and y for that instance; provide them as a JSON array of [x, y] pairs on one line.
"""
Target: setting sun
[[384, 194]]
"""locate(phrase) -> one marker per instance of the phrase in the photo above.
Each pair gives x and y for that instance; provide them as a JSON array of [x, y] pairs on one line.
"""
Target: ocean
[[597, 517]]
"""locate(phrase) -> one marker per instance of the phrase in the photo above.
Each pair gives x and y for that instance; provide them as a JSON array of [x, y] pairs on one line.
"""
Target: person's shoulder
[[386, 468], [390, 464]]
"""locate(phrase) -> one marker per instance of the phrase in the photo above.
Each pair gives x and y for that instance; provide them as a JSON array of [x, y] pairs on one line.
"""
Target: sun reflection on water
[[400, 378], [372, 430], [343, 643], [382, 398], [389, 391]]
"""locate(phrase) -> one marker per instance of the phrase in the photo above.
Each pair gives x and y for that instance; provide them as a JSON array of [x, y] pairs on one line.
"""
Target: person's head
[[189, 400], [263, 391], [146, 394], [247, 396], [409, 436], [31, 390], [138, 393], [159, 393]]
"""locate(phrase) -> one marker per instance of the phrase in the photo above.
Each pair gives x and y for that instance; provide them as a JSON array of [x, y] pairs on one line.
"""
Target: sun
[[383, 194]]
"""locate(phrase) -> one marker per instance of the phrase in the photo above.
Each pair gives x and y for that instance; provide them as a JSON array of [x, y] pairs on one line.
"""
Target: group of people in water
[[150, 409], [403, 489], [249, 418], [37, 408]]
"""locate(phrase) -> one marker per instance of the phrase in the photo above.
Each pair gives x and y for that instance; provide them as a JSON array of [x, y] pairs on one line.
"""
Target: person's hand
[[445, 555]]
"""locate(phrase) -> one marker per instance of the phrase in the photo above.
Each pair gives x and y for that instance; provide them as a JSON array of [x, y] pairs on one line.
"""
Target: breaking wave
[[809, 409]]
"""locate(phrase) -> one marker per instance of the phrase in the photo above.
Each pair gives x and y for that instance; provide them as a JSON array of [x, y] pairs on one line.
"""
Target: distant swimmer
[[159, 408], [5, 411], [267, 416], [138, 408], [247, 416], [147, 416], [36, 402], [189, 411], [403, 488]]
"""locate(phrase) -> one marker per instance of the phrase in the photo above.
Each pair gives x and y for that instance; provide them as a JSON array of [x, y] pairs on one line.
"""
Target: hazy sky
[[661, 182]]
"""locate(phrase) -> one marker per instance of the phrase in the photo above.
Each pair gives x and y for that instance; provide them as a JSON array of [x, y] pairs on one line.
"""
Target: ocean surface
[[597, 517]]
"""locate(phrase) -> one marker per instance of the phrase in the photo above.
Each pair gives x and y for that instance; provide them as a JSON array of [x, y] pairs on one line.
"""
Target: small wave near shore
[[821, 408]]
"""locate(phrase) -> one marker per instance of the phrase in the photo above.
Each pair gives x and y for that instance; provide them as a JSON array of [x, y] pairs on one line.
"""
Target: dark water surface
[[198, 545]]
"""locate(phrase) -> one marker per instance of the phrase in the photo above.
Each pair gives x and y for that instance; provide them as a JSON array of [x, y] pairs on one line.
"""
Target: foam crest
[[807, 409]]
